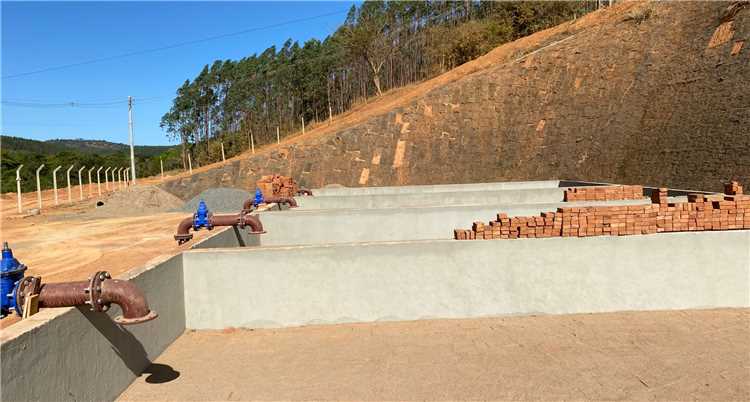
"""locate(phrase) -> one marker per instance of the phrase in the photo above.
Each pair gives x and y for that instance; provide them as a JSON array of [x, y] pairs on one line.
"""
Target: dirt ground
[[675, 355], [70, 241]]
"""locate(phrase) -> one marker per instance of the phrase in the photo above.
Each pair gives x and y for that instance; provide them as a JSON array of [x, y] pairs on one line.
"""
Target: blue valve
[[258, 198], [201, 217], [11, 272]]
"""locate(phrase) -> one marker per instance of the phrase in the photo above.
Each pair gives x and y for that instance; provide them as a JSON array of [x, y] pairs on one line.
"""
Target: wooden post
[[30, 306], [190, 164], [161, 165], [278, 141], [223, 159]]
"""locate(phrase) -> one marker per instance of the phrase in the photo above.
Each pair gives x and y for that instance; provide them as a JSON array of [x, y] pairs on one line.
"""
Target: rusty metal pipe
[[290, 201], [98, 293], [183, 230], [241, 220]]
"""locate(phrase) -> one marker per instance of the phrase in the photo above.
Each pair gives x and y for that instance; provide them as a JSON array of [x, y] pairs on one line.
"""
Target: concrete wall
[[287, 286], [74, 354], [299, 226], [517, 196], [441, 188]]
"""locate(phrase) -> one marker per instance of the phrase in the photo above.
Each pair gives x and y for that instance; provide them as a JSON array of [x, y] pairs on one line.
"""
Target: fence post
[[98, 182], [161, 165], [91, 185], [278, 140], [54, 181], [303, 125], [18, 187], [190, 164], [252, 142], [67, 175], [106, 178], [80, 183], [39, 187], [223, 159]]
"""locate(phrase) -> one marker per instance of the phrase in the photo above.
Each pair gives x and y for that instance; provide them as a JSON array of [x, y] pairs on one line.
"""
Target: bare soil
[[668, 355]]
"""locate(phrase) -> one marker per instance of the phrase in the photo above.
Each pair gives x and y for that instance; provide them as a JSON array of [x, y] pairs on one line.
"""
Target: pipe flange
[[183, 238], [28, 286], [94, 291], [129, 321]]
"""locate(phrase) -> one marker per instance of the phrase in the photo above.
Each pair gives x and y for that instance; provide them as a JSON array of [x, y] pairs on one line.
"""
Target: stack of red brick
[[604, 193], [277, 186], [701, 212]]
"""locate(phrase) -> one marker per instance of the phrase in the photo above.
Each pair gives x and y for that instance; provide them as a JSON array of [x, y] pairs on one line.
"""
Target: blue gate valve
[[11, 272], [201, 218], [258, 198]]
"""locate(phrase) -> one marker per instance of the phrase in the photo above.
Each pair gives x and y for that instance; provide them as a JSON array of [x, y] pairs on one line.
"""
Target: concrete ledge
[[325, 226], [512, 196], [437, 188], [289, 286]]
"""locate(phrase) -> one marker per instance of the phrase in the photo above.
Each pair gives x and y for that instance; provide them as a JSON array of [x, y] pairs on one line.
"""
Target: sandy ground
[[676, 355], [66, 244]]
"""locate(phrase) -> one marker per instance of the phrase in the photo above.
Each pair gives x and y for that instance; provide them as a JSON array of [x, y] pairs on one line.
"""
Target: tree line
[[381, 45], [32, 154]]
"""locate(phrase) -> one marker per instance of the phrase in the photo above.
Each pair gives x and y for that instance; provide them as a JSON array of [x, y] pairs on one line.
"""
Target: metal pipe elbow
[[131, 300], [254, 222], [183, 230], [290, 201]]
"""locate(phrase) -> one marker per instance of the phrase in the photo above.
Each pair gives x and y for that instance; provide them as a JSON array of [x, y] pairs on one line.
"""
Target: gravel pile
[[219, 199], [135, 201]]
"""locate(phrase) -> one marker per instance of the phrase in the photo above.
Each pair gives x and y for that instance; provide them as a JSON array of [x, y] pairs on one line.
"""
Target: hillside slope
[[649, 93], [50, 147]]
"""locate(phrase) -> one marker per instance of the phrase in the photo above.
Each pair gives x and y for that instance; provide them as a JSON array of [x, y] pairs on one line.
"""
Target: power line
[[176, 45], [75, 104]]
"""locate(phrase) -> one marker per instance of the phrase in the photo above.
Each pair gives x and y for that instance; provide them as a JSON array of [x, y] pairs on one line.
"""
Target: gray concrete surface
[[319, 226], [76, 355], [495, 197], [288, 286], [437, 188]]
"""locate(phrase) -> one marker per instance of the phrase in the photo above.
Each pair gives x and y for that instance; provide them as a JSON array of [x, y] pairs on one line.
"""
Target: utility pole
[[130, 130]]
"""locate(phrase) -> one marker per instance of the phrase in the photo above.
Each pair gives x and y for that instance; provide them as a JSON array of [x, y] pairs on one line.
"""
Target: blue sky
[[39, 35]]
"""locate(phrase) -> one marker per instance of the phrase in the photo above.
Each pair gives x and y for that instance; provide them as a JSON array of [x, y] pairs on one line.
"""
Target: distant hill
[[51, 147], [15, 152]]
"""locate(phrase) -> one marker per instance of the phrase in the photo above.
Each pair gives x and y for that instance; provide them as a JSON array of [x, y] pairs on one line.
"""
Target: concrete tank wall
[[74, 354], [438, 188], [518, 196], [319, 226], [288, 286]]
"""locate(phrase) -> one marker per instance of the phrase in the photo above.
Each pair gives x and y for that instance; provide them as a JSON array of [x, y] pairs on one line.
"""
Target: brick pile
[[604, 193], [277, 186], [701, 212]]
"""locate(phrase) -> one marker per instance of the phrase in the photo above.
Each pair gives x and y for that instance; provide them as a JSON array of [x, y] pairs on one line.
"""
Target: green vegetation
[[15, 151], [380, 46]]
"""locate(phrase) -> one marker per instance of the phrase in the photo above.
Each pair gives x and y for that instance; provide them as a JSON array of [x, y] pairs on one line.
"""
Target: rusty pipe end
[[183, 238], [137, 320]]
